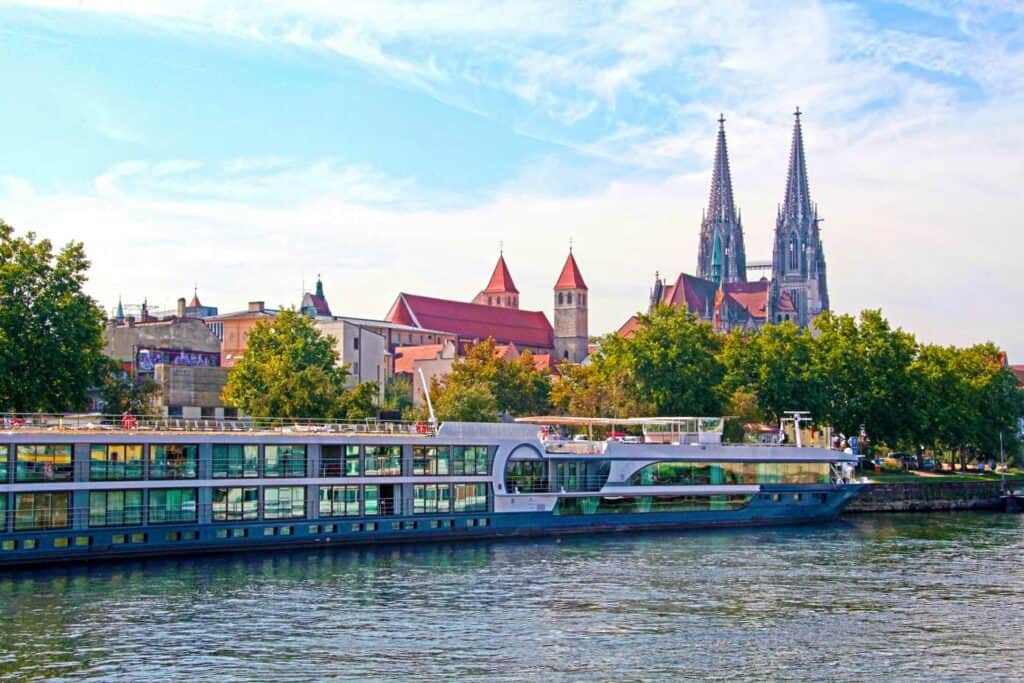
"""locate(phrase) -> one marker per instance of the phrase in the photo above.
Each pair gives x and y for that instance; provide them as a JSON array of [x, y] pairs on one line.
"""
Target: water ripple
[[898, 597]]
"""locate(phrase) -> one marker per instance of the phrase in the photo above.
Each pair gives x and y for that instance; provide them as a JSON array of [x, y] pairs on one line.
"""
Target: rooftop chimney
[[256, 306], [181, 307]]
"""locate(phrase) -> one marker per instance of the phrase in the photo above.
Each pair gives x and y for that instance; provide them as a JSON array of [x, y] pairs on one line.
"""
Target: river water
[[873, 597]]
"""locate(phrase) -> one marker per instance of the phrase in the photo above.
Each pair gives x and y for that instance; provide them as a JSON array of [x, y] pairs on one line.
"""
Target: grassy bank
[[909, 477]]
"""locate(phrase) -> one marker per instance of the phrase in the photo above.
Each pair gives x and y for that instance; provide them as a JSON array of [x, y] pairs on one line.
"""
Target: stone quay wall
[[930, 496]]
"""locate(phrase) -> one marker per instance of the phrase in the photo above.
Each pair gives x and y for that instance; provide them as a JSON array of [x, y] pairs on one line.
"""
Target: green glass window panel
[[352, 461], [235, 503], [526, 476], [43, 462], [173, 461], [470, 498], [383, 461], [4, 458], [235, 461], [172, 505], [284, 461], [431, 498], [371, 493], [42, 511], [3, 512], [431, 460], [115, 462], [339, 501], [698, 473], [284, 502], [115, 508]]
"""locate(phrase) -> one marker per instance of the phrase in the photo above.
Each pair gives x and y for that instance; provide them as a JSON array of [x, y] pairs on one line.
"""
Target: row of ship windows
[[71, 542], [129, 462], [132, 507]]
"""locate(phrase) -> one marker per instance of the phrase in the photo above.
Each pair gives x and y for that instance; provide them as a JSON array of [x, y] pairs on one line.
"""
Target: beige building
[[181, 355], [362, 349]]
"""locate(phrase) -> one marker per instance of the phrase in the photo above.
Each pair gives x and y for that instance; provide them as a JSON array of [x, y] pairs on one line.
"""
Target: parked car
[[928, 464]]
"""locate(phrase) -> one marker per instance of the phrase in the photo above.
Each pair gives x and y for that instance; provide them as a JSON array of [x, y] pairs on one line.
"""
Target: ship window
[[284, 461], [235, 461], [431, 460], [595, 505], [339, 461], [284, 502], [431, 499], [235, 503], [525, 476], [115, 508], [339, 501], [470, 498], [471, 460], [38, 462], [172, 505], [115, 462], [3, 512], [9, 545], [171, 461], [356, 526], [41, 511], [4, 454], [62, 542], [701, 473], [383, 461]]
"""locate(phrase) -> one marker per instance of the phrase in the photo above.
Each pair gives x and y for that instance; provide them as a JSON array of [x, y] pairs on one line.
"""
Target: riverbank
[[930, 496]]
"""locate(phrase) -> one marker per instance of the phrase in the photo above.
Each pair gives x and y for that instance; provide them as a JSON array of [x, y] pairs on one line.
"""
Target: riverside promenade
[[930, 495]]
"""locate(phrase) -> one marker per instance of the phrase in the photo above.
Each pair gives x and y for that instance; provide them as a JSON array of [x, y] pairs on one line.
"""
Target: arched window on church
[[793, 261], [568, 297], [560, 301], [490, 301]]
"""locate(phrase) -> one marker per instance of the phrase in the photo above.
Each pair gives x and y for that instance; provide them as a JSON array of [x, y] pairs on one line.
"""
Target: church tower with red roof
[[500, 290], [571, 331]]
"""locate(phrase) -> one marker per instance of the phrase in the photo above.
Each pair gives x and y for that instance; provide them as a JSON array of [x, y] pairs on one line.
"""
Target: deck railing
[[57, 422]]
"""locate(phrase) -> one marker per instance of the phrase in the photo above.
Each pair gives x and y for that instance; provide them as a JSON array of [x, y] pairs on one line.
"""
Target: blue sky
[[390, 146]]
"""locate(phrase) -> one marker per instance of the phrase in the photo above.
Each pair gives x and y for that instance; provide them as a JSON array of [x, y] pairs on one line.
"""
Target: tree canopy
[[484, 384], [51, 332], [289, 370]]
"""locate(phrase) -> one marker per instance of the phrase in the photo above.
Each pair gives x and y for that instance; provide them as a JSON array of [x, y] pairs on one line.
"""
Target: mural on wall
[[147, 359]]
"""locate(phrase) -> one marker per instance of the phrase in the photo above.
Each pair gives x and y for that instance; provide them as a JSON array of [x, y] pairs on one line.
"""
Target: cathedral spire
[[722, 256], [720, 203], [798, 197]]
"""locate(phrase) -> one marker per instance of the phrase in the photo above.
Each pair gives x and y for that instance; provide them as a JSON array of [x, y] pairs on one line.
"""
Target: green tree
[[964, 399], [673, 360], [776, 365], [464, 402], [516, 386], [398, 394], [360, 402], [602, 388], [289, 370], [864, 369], [51, 332], [121, 393]]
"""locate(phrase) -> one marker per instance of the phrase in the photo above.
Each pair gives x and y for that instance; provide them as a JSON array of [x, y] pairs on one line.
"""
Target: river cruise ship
[[76, 488]]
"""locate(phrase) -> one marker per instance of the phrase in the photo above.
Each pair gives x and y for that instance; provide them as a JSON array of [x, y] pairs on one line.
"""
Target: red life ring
[[128, 422], [421, 427]]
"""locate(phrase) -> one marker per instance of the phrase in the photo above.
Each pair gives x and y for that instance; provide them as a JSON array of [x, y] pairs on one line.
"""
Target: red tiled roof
[[1018, 370], [629, 328], [317, 303], [751, 296], [501, 280], [406, 356], [195, 301], [474, 321], [504, 351], [570, 278], [544, 362]]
